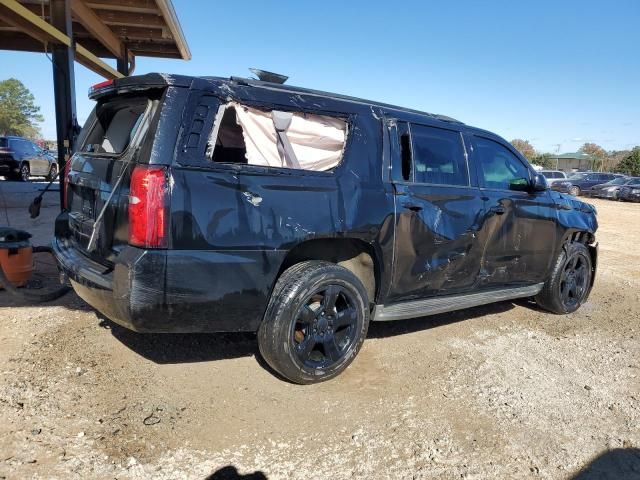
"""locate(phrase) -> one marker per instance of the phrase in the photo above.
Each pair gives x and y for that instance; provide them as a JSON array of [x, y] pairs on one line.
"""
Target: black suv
[[21, 158], [211, 204]]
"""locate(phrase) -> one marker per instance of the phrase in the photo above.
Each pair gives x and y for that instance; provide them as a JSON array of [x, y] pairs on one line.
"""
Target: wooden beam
[[137, 6], [131, 19], [170, 17], [31, 24], [89, 20]]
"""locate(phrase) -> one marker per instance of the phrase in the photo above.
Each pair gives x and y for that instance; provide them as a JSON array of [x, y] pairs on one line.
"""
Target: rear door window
[[499, 168], [438, 156], [274, 138]]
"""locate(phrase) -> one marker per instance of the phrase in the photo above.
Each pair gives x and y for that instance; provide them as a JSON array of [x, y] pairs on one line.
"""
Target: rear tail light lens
[[100, 86], [148, 201]]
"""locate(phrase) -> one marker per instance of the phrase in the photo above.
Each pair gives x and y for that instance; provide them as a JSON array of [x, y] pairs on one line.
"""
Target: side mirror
[[520, 184], [539, 183]]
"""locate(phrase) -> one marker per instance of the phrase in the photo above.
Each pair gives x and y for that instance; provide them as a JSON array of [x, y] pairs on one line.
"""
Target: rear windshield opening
[[298, 140], [116, 125]]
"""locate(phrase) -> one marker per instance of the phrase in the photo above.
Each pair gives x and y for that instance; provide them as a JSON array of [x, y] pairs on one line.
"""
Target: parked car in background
[[577, 183], [610, 189], [631, 191], [21, 159], [553, 176]]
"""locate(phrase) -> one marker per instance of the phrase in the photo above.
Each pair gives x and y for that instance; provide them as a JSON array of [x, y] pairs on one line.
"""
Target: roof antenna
[[265, 76]]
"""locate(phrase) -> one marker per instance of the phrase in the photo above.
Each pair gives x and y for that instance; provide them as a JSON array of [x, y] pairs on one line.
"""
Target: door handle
[[412, 206], [499, 210]]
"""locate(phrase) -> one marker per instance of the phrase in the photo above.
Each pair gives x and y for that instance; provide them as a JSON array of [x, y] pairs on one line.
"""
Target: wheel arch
[[356, 255]]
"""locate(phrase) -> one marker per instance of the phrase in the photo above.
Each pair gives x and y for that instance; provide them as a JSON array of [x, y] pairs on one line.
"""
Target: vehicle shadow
[[231, 473], [615, 464], [169, 348]]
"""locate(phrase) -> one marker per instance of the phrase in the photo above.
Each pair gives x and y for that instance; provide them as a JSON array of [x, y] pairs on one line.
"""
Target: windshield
[[3, 142], [618, 181]]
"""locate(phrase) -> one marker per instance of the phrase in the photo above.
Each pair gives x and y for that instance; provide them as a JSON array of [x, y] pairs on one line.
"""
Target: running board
[[449, 303]]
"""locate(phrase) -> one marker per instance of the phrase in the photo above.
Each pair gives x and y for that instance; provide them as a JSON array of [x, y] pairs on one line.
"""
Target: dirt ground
[[504, 391]]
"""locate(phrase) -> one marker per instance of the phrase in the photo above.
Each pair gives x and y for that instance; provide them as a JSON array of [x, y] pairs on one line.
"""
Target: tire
[[53, 172], [562, 292], [575, 191], [24, 173], [315, 323]]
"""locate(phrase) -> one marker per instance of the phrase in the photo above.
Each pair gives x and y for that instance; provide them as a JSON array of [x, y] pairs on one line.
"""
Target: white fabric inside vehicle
[[120, 130], [317, 141]]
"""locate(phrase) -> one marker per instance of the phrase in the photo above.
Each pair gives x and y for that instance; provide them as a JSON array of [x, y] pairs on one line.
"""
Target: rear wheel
[[316, 322], [575, 191], [24, 173], [53, 172], [569, 285]]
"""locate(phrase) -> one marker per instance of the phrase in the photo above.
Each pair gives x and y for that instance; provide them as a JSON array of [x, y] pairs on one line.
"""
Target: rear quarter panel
[[233, 225]]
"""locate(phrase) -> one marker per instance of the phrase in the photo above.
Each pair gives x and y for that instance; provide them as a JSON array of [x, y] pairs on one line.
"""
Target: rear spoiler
[[137, 82]]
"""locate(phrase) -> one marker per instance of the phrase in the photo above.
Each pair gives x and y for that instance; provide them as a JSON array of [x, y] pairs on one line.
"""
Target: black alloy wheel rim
[[574, 282], [325, 327], [24, 173]]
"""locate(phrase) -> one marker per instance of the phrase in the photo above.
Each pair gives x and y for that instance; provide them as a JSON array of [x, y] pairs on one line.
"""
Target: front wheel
[[575, 191], [569, 284], [315, 323]]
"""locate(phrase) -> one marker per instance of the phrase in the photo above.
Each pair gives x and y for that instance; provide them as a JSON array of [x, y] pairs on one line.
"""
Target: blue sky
[[553, 72]]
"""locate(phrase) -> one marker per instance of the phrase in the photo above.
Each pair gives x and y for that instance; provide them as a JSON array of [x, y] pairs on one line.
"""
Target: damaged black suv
[[211, 204]]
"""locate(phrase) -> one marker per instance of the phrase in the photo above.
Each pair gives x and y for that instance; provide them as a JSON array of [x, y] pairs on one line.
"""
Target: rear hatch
[[111, 143], [6, 155]]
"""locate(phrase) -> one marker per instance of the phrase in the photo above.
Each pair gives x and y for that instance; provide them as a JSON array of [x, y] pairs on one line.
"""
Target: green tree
[[631, 163], [598, 153], [19, 114], [524, 147], [544, 160]]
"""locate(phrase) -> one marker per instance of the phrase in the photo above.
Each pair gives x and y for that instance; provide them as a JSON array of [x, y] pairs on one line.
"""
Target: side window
[[438, 156], [273, 138], [499, 168]]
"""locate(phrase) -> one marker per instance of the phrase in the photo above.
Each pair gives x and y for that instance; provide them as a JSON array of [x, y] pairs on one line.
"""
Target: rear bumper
[[175, 291], [8, 166]]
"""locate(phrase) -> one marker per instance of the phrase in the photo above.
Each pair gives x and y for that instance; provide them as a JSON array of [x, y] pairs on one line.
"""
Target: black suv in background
[[578, 183], [21, 158], [212, 204]]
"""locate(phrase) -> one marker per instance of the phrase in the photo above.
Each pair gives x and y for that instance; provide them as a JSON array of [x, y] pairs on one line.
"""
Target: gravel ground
[[503, 391]]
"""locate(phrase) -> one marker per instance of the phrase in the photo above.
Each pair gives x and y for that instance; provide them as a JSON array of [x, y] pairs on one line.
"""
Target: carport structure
[[87, 31]]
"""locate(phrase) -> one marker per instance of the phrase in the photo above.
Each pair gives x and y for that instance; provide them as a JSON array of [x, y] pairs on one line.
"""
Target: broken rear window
[[275, 138], [116, 124]]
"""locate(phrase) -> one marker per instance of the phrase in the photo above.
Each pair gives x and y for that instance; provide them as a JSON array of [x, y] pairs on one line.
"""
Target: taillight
[[148, 193], [107, 84], [65, 185]]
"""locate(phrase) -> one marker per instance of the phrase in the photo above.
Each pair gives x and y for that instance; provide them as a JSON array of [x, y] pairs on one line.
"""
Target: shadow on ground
[[169, 348], [618, 464], [231, 473]]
